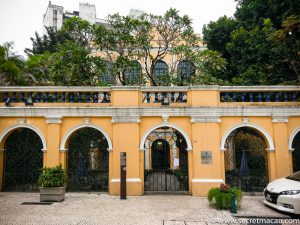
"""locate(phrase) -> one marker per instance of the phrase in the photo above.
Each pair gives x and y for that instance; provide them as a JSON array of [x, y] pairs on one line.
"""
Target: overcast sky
[[19, 19]]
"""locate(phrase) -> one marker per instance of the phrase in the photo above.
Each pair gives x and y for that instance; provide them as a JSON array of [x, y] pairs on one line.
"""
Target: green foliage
[[261, 44], [52, 177], [220, 198], [12, 67]]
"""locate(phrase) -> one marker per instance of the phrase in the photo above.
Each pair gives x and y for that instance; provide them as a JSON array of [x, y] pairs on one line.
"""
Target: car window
[[294, 176]]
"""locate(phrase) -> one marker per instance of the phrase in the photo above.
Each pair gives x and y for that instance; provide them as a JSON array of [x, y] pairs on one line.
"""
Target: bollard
[[233, 206]]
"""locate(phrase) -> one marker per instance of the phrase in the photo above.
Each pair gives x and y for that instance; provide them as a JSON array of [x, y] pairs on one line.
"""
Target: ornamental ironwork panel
[[168, 170], [88, 162], [23, 161], [296, 153], [246, 160], [166, 180]]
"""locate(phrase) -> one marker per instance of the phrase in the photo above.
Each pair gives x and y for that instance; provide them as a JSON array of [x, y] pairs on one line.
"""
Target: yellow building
[[177, 139]]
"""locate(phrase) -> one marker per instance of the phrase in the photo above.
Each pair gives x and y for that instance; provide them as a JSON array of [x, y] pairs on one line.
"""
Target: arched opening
[[107, 76], [161, 72], [88, 161], [166, 164], [246, 163], [160, 154], [23, 160], [134, 74], [185, 70], [296, 153]]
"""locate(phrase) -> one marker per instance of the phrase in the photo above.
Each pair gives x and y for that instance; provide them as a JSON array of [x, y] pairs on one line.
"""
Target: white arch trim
[[291, 139], [73, 129], [184, 134], [24, 125], [267, 136]]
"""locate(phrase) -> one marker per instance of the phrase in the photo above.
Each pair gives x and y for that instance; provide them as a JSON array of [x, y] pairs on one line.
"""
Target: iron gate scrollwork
[[23, 161], [88, 162], [166, 161], [246, 160]]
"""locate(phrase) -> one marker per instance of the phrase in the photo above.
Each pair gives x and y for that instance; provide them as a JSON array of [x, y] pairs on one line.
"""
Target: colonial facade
[[177, 139]]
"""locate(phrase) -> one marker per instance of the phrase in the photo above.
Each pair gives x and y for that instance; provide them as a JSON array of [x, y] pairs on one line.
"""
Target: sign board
[[206, 157], [123, 158], [176, 162]]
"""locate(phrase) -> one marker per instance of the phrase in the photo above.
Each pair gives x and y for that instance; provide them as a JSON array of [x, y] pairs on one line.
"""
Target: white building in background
[[55, 15]]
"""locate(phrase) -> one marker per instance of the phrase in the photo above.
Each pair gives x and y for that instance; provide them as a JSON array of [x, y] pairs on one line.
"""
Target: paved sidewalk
[[86, 209]]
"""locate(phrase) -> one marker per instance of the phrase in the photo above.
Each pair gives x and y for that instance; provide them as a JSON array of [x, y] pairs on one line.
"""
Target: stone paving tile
[[103, 209], [196, 223], [172, 222]]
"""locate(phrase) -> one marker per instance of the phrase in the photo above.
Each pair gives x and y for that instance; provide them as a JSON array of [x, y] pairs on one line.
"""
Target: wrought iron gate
[[88, 168], [23, 161], [164, 174], [246, 160], [296, 153]]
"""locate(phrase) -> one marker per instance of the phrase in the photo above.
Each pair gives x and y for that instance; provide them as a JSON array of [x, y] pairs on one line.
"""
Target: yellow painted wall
[[126, 137]]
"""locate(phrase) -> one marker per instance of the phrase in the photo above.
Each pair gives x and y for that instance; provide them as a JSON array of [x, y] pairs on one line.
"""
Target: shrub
[[52, 177], [220, 198]]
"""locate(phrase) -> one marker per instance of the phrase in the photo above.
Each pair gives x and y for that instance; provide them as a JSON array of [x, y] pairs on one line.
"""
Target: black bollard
[[233, 206]]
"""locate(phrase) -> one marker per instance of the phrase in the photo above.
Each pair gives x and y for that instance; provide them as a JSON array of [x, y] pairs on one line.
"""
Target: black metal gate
[[296, 153], [23, 161], [161, 177], [246, 160], [88, 162]]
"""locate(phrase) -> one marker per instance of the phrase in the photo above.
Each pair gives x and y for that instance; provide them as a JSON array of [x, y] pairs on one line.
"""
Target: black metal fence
[[255, 182], [91, 181], [166, 180], [23, 161]]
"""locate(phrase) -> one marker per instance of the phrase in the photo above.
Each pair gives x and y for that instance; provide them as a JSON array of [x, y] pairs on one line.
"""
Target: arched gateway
[[166, 160]]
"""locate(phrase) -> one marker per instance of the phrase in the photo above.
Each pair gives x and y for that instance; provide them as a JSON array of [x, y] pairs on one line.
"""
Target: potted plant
[[220, 197], [52, 184]]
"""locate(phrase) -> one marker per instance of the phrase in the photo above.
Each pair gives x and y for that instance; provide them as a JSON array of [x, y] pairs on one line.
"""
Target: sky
[[19, 19]]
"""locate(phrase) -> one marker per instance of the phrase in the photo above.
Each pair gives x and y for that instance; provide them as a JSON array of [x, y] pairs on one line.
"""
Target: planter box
[[52, 194]]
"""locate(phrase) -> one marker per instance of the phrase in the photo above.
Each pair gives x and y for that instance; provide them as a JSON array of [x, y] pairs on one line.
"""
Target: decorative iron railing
[[161, 180], [254, 182], [167, 97], [260, 94], [60, 95], [153, 95]]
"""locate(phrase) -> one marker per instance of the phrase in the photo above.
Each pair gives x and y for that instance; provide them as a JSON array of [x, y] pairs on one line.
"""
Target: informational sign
[[176, 162], [206, 157]]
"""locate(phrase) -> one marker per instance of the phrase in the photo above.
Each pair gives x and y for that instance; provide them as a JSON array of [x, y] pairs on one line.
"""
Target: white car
[[284, 194]]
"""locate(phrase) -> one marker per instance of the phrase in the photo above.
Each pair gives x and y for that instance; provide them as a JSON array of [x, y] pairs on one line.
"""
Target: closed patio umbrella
[[244, 169]]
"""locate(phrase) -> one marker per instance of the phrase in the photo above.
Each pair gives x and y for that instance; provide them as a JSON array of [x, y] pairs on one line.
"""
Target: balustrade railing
[[60, 96], [257, 94], [164, 97], [152, 95]]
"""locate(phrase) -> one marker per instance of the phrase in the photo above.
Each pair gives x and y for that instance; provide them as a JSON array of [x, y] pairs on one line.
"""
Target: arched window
[[134, 75], [185, 69], [106, 76], [160, 72]]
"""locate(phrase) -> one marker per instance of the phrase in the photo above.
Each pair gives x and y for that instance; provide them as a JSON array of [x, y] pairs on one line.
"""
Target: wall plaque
[[206, 157]]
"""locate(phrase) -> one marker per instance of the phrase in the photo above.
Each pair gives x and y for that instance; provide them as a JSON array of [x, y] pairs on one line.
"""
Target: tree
[[48, 42], [73, 65], [165, 33], [262, 48], [11, 67], [217, 34], [119, 45], [286, 43]]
